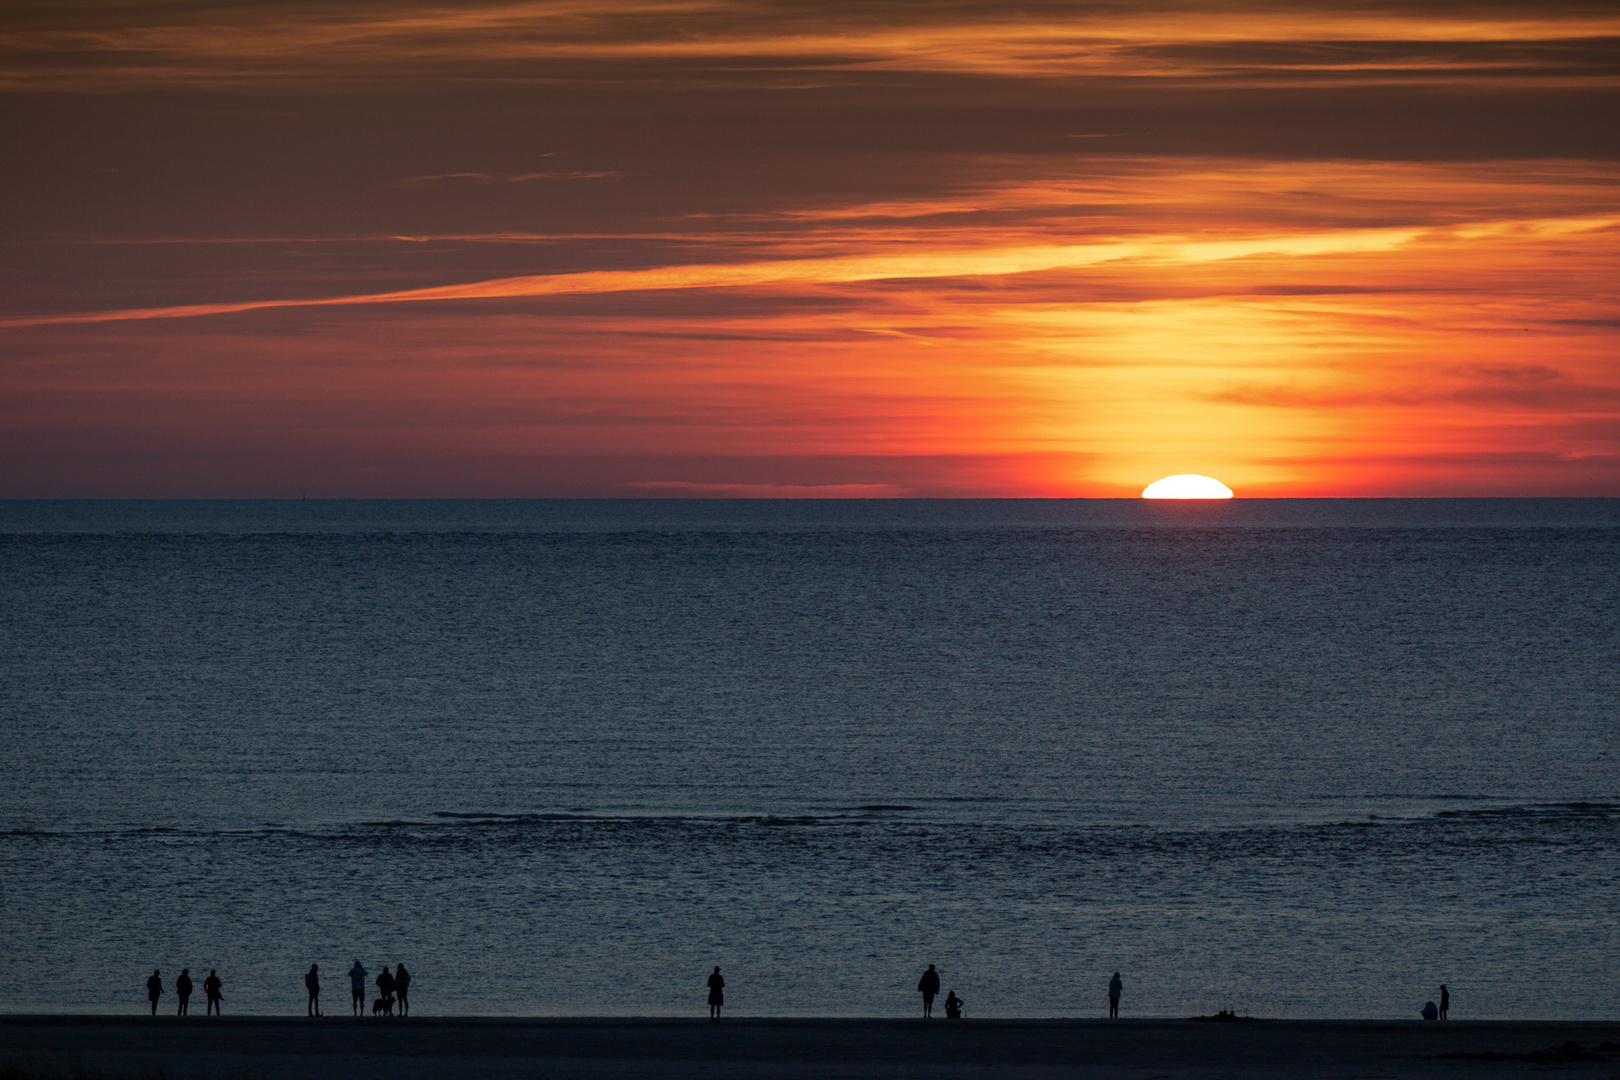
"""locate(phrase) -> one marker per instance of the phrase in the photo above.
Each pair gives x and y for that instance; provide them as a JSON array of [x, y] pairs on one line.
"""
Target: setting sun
[[1187, 486]]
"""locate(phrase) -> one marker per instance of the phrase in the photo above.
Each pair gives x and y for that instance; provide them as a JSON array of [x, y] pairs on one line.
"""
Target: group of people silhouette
[[394, 987], [393, 990], [393, 993], [212, 987], [389, 984], [928, 985]]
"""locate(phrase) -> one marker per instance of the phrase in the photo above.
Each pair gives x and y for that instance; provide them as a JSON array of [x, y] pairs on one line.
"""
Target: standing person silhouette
[[312, 983], [154, 989], [182, 987], [929, 985], [402, 987], [385, 987], [211, 987], [357, 988], [717, 994], [1114, 989], [1445, 1001]]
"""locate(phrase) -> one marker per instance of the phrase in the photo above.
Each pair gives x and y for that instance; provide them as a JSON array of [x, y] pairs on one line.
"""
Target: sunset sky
[[954, 248]]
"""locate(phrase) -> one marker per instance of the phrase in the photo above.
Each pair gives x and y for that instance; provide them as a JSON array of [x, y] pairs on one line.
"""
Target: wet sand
[[340, 1046]]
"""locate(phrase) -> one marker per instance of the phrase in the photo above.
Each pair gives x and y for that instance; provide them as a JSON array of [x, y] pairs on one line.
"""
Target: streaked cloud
[[509, 178], [690, 489], [1155, 252], [110, 45]]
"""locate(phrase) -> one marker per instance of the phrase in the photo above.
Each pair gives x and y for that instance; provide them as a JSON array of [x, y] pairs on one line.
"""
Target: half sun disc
[[1187, 486]]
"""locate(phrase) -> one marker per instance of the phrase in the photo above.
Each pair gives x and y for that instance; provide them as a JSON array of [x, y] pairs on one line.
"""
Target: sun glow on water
[[1187, 486]]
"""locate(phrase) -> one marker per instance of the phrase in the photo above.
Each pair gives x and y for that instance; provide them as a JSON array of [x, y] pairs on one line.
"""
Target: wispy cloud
[[687, 489], [985, 262], [110, 45], [509, 177]]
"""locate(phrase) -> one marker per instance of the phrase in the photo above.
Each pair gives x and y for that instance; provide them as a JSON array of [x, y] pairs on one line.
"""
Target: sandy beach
[[747, 1048]]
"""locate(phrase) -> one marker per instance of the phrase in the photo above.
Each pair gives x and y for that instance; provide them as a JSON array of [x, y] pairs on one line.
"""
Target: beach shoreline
[[750, 1047]]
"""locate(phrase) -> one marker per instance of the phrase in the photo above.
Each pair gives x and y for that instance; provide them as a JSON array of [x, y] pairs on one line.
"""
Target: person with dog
[[385, 987], [357, 987], [402, 986], [211, 987], [182, 987], [929, 986], [154, 989], [312, 983]]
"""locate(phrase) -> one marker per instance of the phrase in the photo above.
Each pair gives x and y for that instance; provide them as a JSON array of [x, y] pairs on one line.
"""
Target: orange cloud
[[1472, 357], [113, 45], [1158, 252]]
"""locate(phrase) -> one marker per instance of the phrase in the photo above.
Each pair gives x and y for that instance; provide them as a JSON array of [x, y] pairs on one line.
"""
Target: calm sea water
[[1300, 759]]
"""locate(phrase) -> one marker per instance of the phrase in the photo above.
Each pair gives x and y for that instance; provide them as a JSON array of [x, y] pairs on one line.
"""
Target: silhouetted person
[[402, 988], [211, 986], [182, 988], [717, 994], [357, 987], [1430, 1012], [953, 1006], [929, 985], [154, 989], [312, 983], [385, 987], [1115, 987]]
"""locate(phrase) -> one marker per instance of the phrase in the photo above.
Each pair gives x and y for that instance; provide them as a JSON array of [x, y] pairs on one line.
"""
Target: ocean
[[1295, 758]]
